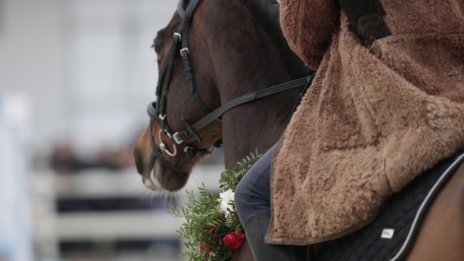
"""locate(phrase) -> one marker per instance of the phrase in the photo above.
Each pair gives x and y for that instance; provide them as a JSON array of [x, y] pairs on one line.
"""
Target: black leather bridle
[[157, 110]]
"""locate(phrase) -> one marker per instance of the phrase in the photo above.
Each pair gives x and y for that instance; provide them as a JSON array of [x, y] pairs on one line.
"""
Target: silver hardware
[[167, 133], [387, 233], [177, 138], [162, 117], [164, 148], [184, 51], [177, 36]]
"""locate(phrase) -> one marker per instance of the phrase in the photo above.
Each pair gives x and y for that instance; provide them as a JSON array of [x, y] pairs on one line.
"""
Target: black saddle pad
[[384, 237]]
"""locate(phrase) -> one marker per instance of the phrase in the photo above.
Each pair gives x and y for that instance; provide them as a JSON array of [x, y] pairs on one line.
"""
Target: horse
[[235, 48], [232, 53]]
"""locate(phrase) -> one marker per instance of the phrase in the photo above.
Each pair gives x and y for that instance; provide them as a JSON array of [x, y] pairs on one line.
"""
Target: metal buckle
[[177, 138], [184, 51], [162, 117], [177, 36], [163, 147]]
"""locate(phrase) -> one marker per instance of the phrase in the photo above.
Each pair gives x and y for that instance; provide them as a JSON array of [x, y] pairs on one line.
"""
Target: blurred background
[[75, 79]]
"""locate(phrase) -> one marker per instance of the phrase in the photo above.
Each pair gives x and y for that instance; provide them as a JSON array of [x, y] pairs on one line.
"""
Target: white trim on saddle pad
[[426, 202]]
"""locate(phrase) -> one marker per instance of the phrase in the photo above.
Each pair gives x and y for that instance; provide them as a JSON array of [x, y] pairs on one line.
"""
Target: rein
[[157, 110], [192, 129]]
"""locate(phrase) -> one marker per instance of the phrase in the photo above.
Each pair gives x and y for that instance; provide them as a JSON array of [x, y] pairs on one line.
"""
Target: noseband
[[157, 110]]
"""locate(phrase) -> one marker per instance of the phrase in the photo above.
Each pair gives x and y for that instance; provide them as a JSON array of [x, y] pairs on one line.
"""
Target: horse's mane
[[267, 12]]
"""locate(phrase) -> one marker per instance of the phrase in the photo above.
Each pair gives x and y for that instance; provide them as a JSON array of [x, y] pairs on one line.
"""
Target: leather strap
[[246, 98]]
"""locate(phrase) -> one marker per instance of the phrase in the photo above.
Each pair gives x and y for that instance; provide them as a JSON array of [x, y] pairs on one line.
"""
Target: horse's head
[[170, 146], [214, 56]]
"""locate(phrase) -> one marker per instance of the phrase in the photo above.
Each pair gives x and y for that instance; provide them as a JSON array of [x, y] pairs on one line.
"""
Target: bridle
[[157, 110]]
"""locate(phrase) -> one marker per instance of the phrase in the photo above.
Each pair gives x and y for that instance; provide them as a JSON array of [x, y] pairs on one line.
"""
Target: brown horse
[[235, 47]]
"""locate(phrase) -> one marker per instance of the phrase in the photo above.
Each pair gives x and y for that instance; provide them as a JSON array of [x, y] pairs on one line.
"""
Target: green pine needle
[[205, 224]]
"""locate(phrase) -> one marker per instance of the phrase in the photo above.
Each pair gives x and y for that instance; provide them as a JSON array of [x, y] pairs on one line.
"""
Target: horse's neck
[[252, 128], [248, 59]]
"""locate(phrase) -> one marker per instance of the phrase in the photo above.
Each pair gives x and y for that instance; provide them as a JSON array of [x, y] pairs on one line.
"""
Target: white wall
[[85, 65], [31, 62]]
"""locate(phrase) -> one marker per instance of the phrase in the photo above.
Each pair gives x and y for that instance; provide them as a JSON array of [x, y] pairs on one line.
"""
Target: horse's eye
[[157, 48], [159, 40], [158, 43]]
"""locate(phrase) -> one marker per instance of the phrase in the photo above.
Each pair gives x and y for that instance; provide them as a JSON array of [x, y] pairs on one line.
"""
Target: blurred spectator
[[64, 159], [15, 223]]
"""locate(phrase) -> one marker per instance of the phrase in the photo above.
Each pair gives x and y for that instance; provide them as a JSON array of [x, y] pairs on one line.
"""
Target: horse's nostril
[[149, 181]]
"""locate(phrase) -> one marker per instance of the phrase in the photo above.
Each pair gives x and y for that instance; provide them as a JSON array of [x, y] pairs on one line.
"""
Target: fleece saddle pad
[[391, 234]]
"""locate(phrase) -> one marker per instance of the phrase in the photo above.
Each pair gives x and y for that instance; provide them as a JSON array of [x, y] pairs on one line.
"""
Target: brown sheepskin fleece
[[319, 15], [374, 118]]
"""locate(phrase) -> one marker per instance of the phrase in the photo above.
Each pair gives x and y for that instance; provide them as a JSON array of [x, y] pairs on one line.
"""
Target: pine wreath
[[211, 230]]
